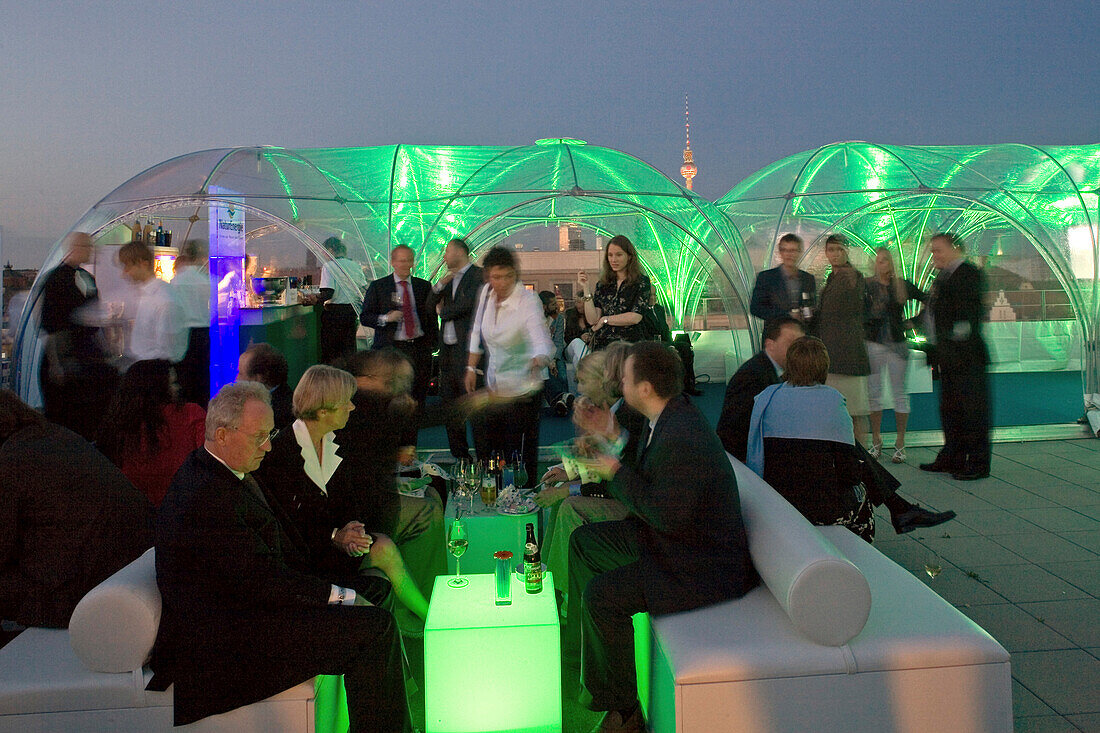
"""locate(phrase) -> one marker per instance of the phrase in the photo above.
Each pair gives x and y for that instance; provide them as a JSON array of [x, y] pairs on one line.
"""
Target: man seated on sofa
[[683, 545], [68, 517], [762, 371], [243, 619]]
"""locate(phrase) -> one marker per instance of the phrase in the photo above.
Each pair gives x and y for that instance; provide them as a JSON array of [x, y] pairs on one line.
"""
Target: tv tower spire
[[688, 169]]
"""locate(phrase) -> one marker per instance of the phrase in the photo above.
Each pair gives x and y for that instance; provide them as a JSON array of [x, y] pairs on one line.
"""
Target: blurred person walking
[[76, 379], [784, 290], [191, 288], [510, 326], [341, 297]]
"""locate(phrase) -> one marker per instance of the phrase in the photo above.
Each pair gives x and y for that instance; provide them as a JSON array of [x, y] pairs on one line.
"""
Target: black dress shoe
[[971, 475], [916, 517], [937, 467]]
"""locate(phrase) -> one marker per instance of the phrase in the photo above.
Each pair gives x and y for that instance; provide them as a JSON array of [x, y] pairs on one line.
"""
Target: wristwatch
[[604, 320]]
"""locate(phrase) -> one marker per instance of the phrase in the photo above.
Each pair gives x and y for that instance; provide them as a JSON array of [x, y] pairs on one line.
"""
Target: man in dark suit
[[396, 307], [683, 546], [761, 371], [243, 616], [959, 355], [785, 290], [454, 297]]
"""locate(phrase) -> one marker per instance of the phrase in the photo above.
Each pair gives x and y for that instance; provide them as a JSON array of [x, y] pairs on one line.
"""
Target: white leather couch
[[837, 638], [91, 676]]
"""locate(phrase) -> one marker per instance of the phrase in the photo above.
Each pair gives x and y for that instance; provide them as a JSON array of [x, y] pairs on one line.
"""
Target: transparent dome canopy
[[1028, 215], [375, 198]]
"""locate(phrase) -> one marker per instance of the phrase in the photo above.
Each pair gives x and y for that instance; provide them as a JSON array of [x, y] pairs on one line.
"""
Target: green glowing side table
[[488, 667]]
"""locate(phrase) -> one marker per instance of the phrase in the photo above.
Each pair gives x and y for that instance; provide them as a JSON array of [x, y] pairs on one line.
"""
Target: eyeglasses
[[261, 439]]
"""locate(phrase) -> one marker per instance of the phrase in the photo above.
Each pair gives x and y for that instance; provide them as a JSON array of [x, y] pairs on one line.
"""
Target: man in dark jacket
[[959, 355], [243, 616], [761, 371], [454, 297], [683, 546], [68, 518], [784, 290]]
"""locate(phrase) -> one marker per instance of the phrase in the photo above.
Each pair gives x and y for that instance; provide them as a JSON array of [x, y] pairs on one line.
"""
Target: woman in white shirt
[[301, 473], [510, 325]]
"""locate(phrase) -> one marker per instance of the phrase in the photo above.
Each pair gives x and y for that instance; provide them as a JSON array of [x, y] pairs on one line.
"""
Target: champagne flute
[[457, 542]]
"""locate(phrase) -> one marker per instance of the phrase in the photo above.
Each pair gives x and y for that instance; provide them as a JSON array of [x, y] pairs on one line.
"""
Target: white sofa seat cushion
[[910, 627], [114, 626], [750, 638], [39, 673], [825, 596]]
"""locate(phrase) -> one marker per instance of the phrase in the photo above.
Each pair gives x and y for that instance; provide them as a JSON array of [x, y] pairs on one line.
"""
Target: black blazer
[[314, 513], [459, 308], [682, 494], [378, 301], [69, 519], [770, 298], [957, 310], [750, 380]]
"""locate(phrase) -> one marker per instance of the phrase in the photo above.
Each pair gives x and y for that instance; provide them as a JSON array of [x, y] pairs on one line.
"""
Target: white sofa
[[837, 638], [91, 676]]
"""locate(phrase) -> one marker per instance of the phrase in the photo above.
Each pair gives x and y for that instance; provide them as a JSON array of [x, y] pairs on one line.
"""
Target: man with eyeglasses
[[244, 618], [785, 290]]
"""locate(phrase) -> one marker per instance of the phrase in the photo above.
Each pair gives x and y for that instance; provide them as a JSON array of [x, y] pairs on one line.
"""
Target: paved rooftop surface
[[1023, 561]]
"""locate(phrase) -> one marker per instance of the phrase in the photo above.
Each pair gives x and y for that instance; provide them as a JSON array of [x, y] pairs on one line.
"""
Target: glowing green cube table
[[489, 667]]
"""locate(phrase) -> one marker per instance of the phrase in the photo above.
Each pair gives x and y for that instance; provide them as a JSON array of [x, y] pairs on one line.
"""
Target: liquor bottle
[[497, 468], [158, 238], [532, 563], [147, 233], [135, 231]]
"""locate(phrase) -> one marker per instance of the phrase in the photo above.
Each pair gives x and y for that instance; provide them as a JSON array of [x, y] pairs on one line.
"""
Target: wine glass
[[519, 473], [457, 542]]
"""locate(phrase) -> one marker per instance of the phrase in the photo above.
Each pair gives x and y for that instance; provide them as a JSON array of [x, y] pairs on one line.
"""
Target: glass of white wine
[[457, 542], [933, 563]]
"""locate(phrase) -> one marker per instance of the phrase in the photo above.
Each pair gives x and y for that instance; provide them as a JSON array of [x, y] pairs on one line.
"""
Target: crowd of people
[[283, 544]]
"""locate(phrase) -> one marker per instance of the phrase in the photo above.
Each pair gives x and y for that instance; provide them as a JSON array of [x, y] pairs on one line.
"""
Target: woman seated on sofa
[[302, 472], [801, 442]]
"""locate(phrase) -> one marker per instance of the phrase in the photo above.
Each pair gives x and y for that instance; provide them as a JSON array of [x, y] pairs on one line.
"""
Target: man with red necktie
[[396, 307]]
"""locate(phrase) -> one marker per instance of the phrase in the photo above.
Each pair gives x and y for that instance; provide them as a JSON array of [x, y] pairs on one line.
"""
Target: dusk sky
[[93, 93]]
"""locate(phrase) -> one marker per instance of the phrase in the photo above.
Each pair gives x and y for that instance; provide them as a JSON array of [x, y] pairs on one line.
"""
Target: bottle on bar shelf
[[158, 239], [532, 562], [135, 231], [147, 234]]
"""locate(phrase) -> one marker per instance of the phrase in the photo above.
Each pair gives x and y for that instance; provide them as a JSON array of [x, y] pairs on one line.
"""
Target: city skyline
[[93, 95]]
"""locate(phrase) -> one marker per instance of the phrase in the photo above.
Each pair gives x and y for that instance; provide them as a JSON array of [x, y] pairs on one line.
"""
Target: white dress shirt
[[332, 273], [156, 333], [319, 470], [514, 332], [191, 289]]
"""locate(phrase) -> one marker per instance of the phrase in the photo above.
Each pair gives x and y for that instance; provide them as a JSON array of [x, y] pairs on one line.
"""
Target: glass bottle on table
[[457, 542], [532, 562]]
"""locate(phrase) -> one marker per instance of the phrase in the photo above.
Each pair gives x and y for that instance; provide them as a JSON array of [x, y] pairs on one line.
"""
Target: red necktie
[[407, 309]]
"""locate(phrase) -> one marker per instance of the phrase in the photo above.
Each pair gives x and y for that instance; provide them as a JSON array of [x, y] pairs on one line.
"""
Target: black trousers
[[964, 413], [193, 371], [510, 428], [606, 576], [339, 323], [452, 376], [419, 353]]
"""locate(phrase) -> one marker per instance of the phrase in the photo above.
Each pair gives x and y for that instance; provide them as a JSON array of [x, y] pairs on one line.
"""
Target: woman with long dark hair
[[147, 431], [621, 297]]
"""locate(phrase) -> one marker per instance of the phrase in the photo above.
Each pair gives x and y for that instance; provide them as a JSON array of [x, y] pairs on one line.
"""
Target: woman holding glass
[[887, 348], [301, 471], [509, 324], [621, 297]]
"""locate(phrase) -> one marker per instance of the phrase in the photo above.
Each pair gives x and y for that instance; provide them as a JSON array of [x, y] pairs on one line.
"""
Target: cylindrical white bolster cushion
[[826, 597], [114, 626]]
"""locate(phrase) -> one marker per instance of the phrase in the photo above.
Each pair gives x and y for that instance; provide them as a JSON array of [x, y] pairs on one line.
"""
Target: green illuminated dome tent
[[377, 197], [1027, 214]]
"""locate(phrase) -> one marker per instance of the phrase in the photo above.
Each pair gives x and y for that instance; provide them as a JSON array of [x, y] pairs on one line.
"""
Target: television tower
[[688, 169]]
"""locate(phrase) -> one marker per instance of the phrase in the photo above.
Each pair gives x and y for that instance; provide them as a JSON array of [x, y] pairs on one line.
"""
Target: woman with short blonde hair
[[301, 471]]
